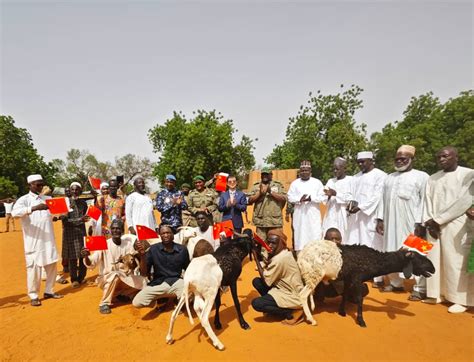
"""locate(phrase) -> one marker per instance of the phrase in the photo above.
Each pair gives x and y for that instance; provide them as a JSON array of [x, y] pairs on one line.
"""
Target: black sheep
[[361, 263]]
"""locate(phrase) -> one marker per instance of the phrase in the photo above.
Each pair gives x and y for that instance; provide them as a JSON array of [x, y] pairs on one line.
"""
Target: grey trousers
[[149, 294]]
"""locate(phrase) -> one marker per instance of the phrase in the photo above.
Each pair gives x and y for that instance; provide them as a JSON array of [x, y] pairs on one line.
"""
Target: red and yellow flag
[[418, 244], [144, 232], [95, 242], [225, 226], [58, 206], [94, 212]]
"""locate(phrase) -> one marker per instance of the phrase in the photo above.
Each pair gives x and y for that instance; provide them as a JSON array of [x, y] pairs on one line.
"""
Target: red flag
[[95, 182], [58, 205], [224, 226], [418, 244], [144, 233], [94, 212], [259, 240], [221, 181], [96, 242]]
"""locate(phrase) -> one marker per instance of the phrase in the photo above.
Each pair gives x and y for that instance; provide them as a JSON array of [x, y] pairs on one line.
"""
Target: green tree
[[7, 188], [132, 165], [19, 158], [202, 145], [321, 131], [429, 125]]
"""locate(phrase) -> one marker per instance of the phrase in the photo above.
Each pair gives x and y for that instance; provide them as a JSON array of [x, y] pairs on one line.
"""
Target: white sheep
[[202, 278], [318, 261]]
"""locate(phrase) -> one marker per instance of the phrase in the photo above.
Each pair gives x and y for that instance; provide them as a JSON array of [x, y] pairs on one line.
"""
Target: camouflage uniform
[[197, 200], [267, 213], [186, 214]]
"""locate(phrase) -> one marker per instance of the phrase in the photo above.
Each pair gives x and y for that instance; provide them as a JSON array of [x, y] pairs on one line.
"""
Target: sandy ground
[[72, 328]]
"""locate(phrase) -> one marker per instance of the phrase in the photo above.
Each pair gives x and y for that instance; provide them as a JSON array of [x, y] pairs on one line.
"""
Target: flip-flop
[[35, 302]]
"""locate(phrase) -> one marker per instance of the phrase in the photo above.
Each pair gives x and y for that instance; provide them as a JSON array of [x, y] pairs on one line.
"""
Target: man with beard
[[449, 193], [366, 190], [306, 193], [139, 207], [400, 213], [269, 199]]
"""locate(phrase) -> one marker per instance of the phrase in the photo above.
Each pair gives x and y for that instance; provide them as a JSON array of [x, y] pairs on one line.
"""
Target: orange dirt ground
[[72, 328]]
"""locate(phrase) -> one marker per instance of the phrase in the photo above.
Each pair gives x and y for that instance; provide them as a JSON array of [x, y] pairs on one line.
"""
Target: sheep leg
[[217, 320], [359, 299], [204, 318], [169, 336], [342, 305], [304, 294], [235, 297]]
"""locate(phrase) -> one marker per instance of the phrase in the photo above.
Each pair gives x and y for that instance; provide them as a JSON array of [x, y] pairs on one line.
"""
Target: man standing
[[399, 213], [38, 237], [366, 190], [269, 199], [186, 214], [338, 192], [113, 278], [202, 198], [232, 203], [112, 206], [8, 203], [170, 203], [168, 260], [139, 207], [449, 193], [306, 193]]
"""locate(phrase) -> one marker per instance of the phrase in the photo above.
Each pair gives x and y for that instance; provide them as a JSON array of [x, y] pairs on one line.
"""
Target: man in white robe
[[139, 208], [366, 190], [400, 213], [306, 193], [338, 192], [204, 231], [449, 193], [114, 277], [39, 242]]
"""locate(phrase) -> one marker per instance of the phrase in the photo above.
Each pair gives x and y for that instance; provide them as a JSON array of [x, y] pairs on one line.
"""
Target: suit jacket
[[233, 213]]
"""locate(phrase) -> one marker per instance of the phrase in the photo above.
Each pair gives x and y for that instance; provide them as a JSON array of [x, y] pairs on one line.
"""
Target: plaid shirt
[[74, 230]]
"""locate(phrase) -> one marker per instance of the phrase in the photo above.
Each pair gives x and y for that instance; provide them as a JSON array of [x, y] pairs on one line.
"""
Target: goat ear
[[408, 270]]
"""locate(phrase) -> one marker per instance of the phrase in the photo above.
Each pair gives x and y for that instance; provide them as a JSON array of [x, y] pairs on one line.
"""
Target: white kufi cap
[[365, 154], [33, 178]]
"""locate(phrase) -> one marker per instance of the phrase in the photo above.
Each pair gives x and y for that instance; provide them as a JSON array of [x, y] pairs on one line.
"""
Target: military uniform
[[197, 200], [267, 212], [186, 214]]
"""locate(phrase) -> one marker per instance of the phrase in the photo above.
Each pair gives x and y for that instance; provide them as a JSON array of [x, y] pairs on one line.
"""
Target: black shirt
[[167, 266]]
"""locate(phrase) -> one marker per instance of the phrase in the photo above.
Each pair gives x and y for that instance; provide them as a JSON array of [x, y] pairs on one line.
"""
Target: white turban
[[33, 178], [104, 184], [75, 184], [365, 154], [407, 149]]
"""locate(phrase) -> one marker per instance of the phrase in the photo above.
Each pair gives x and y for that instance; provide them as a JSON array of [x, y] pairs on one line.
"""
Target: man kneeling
[[280, 282], [168, 261], [114, 278]]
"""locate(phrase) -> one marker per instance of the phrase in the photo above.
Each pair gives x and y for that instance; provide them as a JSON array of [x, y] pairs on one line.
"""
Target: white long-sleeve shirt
[[336, 214], [139, 211], [38, 233]]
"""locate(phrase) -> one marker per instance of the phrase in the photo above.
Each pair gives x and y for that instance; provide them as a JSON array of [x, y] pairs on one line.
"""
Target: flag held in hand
[[417, 244], [225, 226], [262, 242], [221, 181], [144, 233], [94, 243], [94, 212], [95, 182], [58, 206]]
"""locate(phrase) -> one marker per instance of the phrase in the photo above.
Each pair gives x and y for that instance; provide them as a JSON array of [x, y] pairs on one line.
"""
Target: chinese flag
[[259, 240], [95, 182], [94, 212], [221, 181], [144, 233], [224, 226], [95, 242], [58, 206], [418, 244]]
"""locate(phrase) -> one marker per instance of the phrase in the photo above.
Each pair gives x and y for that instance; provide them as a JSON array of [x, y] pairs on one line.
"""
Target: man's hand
[[85, 252], [379, 228], [139, 247], [330, 192], [39, 207], [264, 188], [470, 213], [86, 218], [420, 231], [433, 228], [305, 197]]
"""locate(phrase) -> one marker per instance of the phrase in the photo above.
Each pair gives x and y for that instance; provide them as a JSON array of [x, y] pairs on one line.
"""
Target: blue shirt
[[167, 266], [170, 212]]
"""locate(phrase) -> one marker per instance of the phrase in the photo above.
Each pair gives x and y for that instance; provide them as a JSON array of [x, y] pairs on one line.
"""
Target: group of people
[[370, 208]]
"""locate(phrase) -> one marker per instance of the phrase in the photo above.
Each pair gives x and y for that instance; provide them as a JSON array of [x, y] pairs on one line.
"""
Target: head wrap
[[305, 163], [282, 245], [75, 184], [199, 178], [407, 149], [170, 177], [365, 154], [33, 178], [102, 184]]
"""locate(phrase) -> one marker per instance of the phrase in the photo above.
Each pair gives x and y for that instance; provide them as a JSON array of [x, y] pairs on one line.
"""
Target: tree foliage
[[202, 145], [429, 125], [7, 188], [321, 131], [19, 158]]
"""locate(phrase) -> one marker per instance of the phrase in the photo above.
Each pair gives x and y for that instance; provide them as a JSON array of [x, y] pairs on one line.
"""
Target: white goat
[[318, 261], [203, 278]]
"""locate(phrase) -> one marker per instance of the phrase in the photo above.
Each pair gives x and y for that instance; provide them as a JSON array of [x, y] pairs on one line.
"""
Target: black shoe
[[104, 309], [53, 296]]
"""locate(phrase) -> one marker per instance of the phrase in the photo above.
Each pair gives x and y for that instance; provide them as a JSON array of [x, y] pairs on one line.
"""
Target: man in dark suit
[[232, 203]]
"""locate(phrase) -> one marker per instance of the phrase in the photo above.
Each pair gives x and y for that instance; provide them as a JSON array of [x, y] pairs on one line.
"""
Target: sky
[[97, 75]]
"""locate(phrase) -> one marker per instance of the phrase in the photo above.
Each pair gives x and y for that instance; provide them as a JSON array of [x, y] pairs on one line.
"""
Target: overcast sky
[[98, 75]]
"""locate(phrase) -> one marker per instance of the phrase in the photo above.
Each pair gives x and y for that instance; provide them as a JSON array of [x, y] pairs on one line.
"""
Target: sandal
[[416, 296], [35, 302], [298, 317], [61, 280]]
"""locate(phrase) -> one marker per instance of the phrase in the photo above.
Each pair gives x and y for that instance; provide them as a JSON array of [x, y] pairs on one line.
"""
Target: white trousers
[[33, 279], [397, 281]]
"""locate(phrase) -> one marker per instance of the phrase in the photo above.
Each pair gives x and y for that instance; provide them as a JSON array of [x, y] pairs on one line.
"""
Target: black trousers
[[77, 272], [266, 303]]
